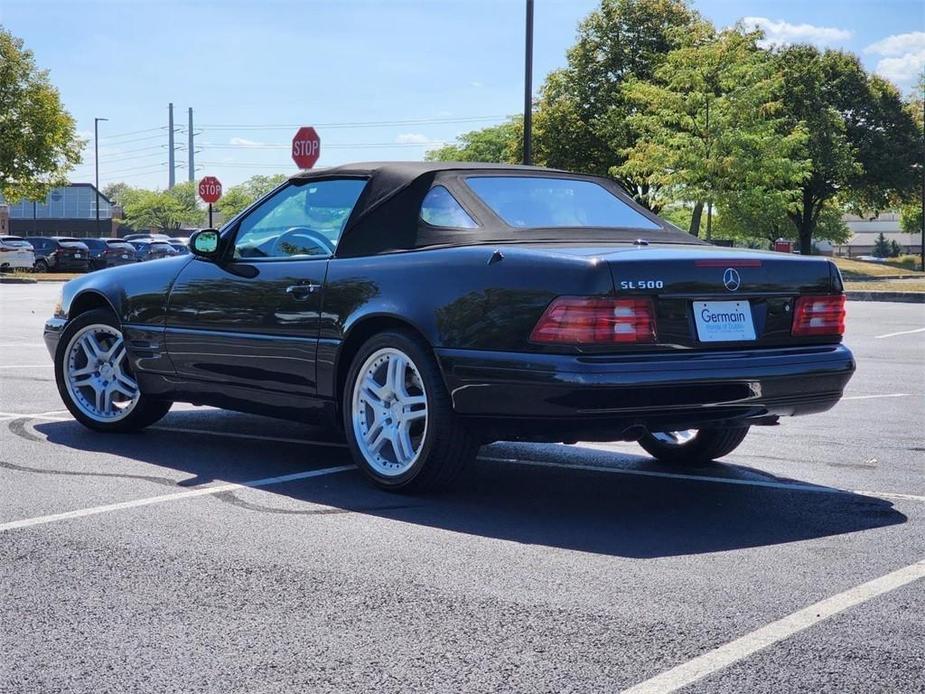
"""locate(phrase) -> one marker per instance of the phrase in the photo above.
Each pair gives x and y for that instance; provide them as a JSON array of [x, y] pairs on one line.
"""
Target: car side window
[[441, 209], [301, 220]]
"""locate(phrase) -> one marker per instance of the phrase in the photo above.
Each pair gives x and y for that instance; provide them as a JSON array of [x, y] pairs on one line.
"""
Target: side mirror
[[204, 243]]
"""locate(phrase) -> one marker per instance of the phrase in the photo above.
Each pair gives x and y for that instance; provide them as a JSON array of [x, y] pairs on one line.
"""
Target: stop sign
[[210, 189], [306, 147]]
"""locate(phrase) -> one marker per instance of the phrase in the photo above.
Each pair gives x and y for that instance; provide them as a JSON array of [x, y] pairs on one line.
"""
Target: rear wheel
[[693, 445], [41, 265], [95, 378], [398, 418]]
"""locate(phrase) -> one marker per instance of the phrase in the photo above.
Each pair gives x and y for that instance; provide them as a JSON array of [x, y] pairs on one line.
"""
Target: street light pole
[[96, 165], [528, 86]]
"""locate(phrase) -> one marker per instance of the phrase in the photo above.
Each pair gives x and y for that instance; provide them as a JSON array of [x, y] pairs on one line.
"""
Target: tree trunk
[[806, 229], [695, 219]]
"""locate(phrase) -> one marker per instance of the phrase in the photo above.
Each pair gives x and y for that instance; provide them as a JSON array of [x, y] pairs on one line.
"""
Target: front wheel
[[693, 445], [95, 378], [400, 425]]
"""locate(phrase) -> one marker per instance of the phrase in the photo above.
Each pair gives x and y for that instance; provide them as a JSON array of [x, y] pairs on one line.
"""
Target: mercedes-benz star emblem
[[731, 279]]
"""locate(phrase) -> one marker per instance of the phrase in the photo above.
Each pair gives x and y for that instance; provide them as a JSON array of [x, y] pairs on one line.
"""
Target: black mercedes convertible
[[428, 308]]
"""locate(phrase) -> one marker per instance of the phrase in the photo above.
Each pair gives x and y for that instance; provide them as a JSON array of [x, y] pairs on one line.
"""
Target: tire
[[41, 265], [703, 445], [440, 446], [78, 389]]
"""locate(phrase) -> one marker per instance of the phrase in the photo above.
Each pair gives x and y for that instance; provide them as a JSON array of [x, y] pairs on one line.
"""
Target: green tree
[[582, 120], [237, 198], [116, 192], [166, 210], [38, 145], [911, 211], [881, 247], [861, 143], [750, 217], [709, 125], [502, 143]]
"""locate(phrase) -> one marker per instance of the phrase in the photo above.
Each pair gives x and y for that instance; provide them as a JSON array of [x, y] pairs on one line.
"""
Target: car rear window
[[540, 202], [14, 241], [71, 243]]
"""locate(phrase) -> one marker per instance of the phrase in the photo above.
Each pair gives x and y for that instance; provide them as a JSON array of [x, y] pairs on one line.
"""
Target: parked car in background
[[16, 253], [60, 254], [180, 247], [109, 253], [145, 237], [152, 249]]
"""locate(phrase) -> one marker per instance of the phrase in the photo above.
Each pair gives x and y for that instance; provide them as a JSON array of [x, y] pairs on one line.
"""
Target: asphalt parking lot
[[223, 552]]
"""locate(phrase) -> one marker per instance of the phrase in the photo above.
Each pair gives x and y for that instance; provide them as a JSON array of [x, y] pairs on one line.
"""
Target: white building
[[866, 230]]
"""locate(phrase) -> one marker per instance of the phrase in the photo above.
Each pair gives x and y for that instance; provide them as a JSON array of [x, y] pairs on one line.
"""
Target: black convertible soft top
[[386, 217]]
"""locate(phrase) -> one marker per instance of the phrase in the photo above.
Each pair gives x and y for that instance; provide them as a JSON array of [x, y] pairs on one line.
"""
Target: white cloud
[[903, 57], [903, 70], [898, 44], [412, 139], [244, 142], [781, 33], [476, 84]]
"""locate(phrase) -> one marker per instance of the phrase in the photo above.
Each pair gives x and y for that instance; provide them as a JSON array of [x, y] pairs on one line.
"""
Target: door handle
[[300, 292]]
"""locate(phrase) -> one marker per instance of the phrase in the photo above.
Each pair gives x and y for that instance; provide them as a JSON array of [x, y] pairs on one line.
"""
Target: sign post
[[306, 147], [210, 190]]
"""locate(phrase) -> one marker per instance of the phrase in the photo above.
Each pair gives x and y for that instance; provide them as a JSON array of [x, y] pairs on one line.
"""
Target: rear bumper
[[71, 264], [652, 389]]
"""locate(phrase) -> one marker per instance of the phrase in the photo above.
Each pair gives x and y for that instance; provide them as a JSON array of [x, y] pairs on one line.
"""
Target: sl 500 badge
[[642, 284]]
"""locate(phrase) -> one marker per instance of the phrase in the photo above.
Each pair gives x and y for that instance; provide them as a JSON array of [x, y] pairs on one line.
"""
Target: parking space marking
[[901, 332], [788, 486], [744, 646], [205, 491], [874, 397], [27, 366]]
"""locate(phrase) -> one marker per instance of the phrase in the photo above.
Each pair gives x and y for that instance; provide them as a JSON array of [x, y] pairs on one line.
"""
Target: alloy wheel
[[97, 374], [675, 438], [389, 411]]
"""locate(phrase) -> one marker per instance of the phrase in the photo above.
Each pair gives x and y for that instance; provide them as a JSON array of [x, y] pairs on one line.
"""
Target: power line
[[133, 132], [354, 124]]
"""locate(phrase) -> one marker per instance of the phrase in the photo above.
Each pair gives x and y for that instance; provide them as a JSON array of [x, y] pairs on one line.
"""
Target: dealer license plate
[[724, 321]]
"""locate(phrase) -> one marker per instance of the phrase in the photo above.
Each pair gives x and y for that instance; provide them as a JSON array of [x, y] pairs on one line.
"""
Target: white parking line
[[94, 510], [744, 646], [901, 332], [874, 397], [789, 486], [27, 366]]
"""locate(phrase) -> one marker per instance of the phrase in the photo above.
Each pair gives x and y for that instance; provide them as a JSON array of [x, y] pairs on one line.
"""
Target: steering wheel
[[304, 233]]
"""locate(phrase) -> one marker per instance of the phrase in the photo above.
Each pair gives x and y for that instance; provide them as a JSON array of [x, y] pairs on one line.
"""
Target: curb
[[905, 297], [17, 280]]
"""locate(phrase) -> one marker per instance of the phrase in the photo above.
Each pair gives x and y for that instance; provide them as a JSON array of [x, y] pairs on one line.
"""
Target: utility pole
[[189, 138], [171, 173], [528, 86], [96, 166]]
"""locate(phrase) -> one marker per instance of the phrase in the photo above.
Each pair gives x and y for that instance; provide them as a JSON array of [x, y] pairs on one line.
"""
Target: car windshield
[[95, 244], [539, 202]]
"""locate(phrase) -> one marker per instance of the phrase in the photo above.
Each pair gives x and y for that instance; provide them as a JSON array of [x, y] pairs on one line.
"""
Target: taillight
[[819, 315], [587, 320]]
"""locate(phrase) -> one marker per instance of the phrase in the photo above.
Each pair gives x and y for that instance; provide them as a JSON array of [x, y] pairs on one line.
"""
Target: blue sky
[[423, 70]]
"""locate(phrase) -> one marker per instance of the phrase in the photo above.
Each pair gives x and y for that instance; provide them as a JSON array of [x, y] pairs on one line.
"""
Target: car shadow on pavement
[[630, 514]]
